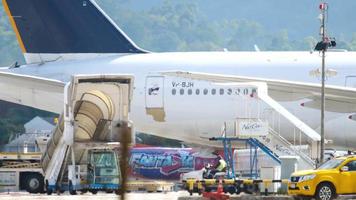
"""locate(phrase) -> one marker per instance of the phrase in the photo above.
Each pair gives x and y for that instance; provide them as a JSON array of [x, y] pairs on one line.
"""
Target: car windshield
[[331, 164]]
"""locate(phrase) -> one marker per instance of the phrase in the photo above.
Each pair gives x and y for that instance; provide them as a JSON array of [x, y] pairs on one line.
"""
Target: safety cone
[[218, 195]]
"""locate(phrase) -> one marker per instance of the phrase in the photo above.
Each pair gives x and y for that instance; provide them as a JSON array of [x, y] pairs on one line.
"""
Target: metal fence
[[23, 143]]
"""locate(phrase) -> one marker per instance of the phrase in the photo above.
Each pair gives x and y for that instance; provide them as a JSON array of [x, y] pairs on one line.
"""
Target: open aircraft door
[[154, 92]]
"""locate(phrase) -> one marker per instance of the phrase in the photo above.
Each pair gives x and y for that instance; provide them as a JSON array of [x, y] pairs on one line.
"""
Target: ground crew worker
[[209, 170], [221, 166]]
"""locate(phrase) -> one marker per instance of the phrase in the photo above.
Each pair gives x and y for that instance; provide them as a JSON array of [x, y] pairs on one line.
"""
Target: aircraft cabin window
[[205, 91], [245, 91], [229, 91], [221, 91], [237, 92], [190, 91], [197, 91], [213, 91], [174, 91], [181, 91]]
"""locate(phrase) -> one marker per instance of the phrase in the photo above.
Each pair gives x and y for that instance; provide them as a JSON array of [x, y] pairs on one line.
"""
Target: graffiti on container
[[165, 163]]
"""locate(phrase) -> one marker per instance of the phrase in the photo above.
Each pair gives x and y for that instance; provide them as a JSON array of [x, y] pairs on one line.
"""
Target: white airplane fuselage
[[189, 116]]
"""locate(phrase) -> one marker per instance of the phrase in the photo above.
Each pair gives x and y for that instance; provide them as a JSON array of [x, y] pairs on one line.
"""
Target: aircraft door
[[154, 92], [350, 81]]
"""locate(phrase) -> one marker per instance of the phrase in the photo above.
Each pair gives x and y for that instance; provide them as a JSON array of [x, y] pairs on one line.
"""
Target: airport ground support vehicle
[[81, 152], [20, 171], [334, 177], [102, 172]]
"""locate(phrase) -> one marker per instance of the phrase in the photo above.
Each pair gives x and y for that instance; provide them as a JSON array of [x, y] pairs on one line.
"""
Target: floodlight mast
[[323, 8], [322, 47]]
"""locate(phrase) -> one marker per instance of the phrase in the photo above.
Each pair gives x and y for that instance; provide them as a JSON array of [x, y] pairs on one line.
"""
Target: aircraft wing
[[41, 93], [338, 99]]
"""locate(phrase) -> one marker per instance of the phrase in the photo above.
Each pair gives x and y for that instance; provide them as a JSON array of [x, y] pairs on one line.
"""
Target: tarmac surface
[[89, 196], [181, 195], [130, 196]]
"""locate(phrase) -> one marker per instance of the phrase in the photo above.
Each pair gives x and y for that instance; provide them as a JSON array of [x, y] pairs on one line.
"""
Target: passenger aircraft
[[180, 95]]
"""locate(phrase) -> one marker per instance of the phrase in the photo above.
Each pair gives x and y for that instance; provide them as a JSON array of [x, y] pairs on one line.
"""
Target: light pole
[[323, 46], [323, 8]]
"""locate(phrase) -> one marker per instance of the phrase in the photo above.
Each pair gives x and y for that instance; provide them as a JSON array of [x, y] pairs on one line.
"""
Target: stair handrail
[[289, 145], [264, 148]]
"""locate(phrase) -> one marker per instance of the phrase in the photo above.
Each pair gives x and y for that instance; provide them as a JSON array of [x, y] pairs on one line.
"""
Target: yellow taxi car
[[334, 177]]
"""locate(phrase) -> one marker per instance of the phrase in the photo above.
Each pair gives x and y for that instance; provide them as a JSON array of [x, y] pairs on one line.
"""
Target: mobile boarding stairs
[[267, 138], [94, 107]]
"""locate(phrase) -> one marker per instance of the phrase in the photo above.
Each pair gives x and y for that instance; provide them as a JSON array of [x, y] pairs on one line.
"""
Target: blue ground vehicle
[[102, 173]]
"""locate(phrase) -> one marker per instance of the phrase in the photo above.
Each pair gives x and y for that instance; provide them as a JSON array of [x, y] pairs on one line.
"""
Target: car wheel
[[325, 191]]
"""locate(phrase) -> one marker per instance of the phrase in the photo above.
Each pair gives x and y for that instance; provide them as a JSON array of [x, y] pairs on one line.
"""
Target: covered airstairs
[[94, 106]]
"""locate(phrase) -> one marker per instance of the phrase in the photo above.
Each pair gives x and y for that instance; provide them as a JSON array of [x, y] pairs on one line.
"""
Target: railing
[[289, 145], [20, 148], [295, 135], [281, 146], [24, 143]]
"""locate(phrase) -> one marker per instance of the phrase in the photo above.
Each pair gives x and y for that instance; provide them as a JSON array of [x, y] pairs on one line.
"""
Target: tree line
[[182, 26]]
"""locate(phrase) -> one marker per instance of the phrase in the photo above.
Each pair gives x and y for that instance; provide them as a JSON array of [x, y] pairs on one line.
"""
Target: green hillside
[[197, 25]]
